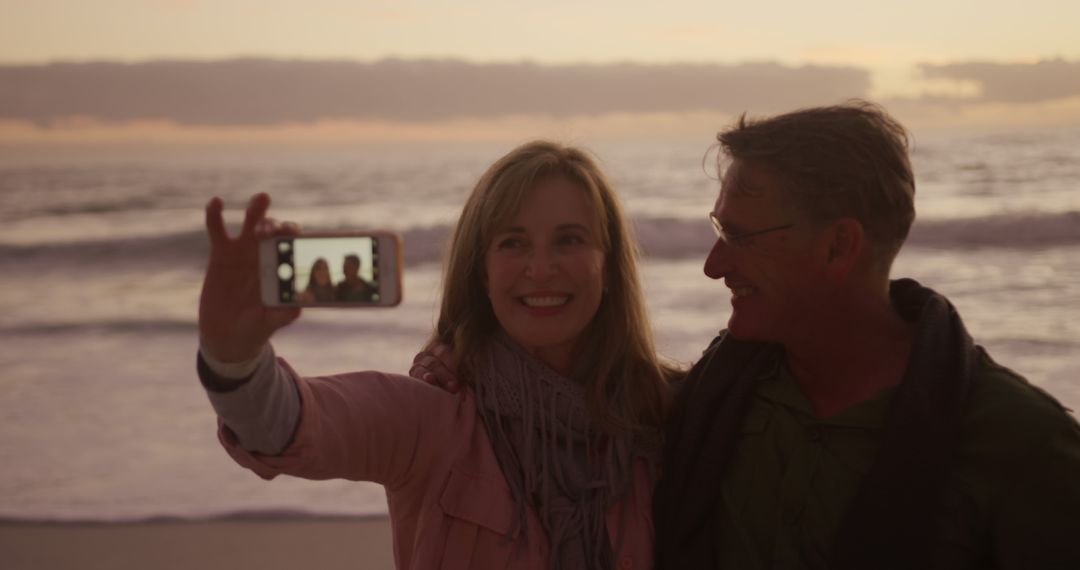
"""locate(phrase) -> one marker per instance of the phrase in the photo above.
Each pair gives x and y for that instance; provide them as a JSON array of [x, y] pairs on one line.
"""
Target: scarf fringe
[[553, 456]]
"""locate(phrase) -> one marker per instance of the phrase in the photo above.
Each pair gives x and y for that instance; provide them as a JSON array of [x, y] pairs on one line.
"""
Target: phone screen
[[329, 270]]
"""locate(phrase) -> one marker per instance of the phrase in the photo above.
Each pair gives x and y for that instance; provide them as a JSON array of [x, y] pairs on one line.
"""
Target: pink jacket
[[450, 506]]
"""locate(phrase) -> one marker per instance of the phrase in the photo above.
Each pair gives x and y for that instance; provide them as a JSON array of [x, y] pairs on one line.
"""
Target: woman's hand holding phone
[[233, 322]]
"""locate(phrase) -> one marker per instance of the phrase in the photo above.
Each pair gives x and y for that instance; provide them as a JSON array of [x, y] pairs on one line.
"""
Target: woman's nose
[[541, 264]]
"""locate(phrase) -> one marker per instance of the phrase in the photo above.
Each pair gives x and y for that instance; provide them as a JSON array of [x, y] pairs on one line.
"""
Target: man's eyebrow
[[741, 185]]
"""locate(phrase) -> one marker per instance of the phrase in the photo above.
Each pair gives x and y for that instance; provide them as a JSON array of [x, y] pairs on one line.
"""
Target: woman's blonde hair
[[618, 344]]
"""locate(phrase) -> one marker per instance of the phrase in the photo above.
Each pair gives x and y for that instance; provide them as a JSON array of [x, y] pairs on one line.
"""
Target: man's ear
[[846, 245]]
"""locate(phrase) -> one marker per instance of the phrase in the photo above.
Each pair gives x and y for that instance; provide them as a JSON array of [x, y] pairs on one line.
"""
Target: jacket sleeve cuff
[[262, 409], [218, 376]]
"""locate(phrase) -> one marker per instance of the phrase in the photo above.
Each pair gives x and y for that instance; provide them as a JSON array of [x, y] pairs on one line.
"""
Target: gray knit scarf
[[552, 454]]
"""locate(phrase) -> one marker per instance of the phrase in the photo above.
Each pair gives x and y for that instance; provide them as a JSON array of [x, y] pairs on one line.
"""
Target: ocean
[[102, 252]]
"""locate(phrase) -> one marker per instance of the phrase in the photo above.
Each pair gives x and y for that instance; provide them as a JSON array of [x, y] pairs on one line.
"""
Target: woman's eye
[[571, 239], [509, 243]]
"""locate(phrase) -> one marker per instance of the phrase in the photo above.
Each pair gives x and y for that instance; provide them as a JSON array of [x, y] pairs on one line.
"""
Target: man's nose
[[718, 263]]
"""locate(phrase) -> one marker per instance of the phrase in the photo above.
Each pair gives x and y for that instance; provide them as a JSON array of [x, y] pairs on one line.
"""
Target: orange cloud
[[272, 92], [87, 130]]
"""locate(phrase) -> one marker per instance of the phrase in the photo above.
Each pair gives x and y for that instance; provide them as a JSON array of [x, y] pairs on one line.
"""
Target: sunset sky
[[933, 62]]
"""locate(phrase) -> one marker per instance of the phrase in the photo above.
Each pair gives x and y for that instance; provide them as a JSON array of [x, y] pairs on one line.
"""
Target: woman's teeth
[[545, 301]]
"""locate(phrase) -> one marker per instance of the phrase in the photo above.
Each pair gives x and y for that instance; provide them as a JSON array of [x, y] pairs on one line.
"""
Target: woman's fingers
[[280, 317], [269, 227], [266, 227], [288, 229], [256, 211], [256, 224], [215, 223]]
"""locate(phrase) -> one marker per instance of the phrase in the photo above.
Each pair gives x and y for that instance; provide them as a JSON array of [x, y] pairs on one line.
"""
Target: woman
[[320, 289], [546, 457]]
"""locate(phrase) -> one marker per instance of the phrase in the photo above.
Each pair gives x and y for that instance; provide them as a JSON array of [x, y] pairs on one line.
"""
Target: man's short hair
[[353, 257], [848, 160]]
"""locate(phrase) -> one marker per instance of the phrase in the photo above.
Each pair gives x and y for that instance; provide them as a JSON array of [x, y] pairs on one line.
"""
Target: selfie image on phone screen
[[331, 270], [334, 270]]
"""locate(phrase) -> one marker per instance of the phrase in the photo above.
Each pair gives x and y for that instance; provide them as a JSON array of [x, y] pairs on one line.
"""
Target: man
[[844, 420], [354, 289]]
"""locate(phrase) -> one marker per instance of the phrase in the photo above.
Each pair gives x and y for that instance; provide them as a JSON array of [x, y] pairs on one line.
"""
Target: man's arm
[[1037, 524]]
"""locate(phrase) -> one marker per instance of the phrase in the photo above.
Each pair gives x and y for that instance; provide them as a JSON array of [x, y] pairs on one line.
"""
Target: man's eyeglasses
[[743, 238]]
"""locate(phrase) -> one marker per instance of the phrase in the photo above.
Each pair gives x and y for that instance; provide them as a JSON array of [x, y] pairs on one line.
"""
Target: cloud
[[259, 92], [1041, 81]]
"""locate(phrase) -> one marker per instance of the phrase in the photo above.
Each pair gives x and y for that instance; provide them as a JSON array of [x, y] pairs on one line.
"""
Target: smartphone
[[331, 270]]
